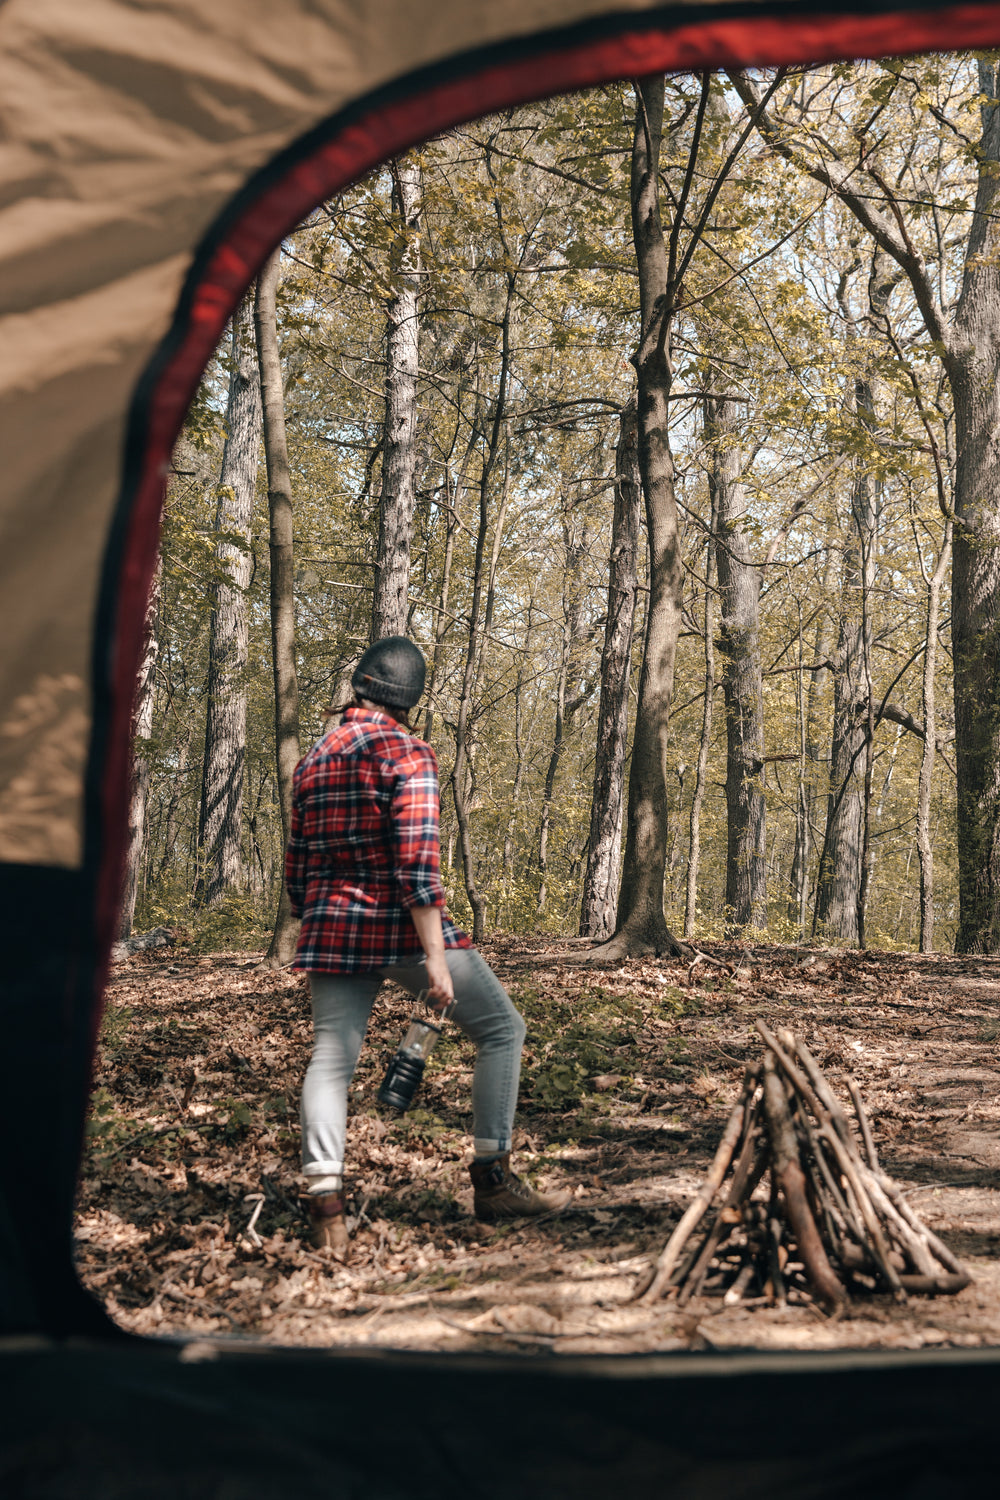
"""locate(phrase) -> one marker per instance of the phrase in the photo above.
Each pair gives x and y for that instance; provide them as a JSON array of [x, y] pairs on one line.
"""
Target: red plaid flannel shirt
[[364, 846]]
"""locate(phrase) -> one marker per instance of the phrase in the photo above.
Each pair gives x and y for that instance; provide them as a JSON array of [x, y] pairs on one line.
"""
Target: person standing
[[363, 871]]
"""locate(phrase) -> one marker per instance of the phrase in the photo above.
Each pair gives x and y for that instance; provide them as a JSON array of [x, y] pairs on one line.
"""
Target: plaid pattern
[[364, 846]]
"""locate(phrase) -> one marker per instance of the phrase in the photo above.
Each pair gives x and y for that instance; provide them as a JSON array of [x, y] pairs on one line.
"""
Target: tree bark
[[574, 551], [973, 364], [925, 849], [845, 867], [599, 908], [813, 760], [220, 815], [282, 584], [739, 643], [140, 769], [474, 641], [705, 742], [642, 927], [399, 447]]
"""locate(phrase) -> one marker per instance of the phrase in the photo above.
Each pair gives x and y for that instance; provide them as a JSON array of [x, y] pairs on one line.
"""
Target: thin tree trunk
[[140, 769], [574, 549], [220, 815], [845, 867], [599, 909], [739, 640], [813, 758], [399, 448], [519, 751], [925, 849], [705, 743], [472, 653], [282, 584], [171, 821]]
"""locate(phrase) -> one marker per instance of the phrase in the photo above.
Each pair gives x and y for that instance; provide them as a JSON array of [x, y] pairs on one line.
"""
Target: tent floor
[[216, 1420]]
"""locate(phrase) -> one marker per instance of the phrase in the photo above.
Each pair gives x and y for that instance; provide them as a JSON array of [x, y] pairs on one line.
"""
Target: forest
[[663, 418]]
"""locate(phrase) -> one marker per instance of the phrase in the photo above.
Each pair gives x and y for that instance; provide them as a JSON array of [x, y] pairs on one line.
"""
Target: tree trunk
[[282, 585], [813, 759], [472, 653], [599, 908], [399, 447], [705, 742], [836, 914], [642, 927], [574, 550], [171, 822], [973, 364], [520, 761], [220, 816], [924, 845], [139, 771], [845, 867], [739, 642]]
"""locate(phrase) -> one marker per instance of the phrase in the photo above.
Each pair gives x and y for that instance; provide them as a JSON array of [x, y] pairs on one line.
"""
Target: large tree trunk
[[642, 927], [973, 364], [739, 641], [220, 816], [139, 773], [399, 447], [599, 909], [282, 584]]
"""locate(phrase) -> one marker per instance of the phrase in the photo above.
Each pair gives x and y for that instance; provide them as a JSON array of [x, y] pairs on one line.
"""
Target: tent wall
[[153, 154]]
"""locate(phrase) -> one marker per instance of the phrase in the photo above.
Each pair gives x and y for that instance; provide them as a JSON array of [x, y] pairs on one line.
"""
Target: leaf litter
[[188, 1217]]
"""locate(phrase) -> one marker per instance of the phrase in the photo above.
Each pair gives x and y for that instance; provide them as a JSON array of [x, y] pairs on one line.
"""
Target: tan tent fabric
[[126, 126]]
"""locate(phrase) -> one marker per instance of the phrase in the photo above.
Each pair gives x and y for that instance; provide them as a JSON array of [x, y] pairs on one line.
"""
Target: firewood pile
[[795, 1208]]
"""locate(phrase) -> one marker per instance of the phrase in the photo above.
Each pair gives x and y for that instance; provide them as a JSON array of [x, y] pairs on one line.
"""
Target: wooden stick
[[695, 1210], [865, 1124], [774, 1232], [738, 1190], [937, 1286], [787, 1170], [876, 1239], [940, 1249]]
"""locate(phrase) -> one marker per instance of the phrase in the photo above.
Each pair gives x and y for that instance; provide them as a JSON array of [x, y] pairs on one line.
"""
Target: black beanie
[[391, 672]]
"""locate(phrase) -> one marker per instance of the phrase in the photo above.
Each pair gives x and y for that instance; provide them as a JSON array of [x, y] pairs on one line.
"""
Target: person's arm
[[427, 921], [415, 808]]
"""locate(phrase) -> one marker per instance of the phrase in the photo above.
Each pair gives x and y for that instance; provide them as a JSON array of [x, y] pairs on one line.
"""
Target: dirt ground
[[188, 1217]]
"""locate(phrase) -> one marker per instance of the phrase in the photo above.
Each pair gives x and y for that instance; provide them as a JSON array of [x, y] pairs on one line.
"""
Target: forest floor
[[629, 1074]]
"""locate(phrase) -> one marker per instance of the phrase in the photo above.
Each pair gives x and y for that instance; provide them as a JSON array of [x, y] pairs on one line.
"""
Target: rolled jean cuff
[[483, 1147], [323, 1169]]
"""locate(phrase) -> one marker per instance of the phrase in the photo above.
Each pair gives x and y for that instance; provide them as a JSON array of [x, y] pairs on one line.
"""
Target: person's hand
[[440, 990]]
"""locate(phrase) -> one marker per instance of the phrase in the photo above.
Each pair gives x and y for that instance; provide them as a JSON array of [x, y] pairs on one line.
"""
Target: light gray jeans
[[342, 1004]]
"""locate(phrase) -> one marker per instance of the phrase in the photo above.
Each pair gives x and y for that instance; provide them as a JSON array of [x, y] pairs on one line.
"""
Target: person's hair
[[401, 715]]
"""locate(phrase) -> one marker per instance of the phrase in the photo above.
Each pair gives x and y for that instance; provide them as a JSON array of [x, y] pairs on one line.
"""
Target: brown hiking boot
[[500, 1193], [328, 1228]]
